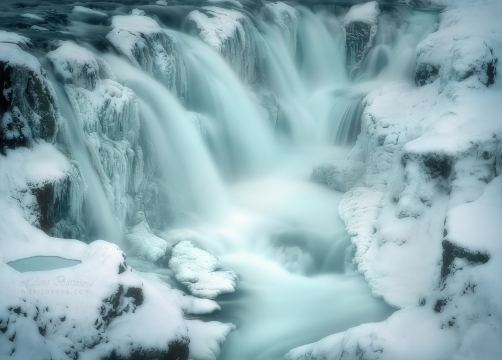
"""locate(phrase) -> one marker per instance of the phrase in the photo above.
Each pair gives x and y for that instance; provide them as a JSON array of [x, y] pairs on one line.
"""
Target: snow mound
[[10, 37], [339, 175], [199, 271]]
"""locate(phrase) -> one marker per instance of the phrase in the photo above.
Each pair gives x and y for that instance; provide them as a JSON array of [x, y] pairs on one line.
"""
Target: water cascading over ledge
[[180, 128]]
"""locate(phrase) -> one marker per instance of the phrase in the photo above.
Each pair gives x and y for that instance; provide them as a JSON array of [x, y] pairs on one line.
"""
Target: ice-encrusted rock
[[75, 65], [339, 175], [153, 49], [28, 104], [108, 117], [360, 25], [206, 338], [199, 271], [232, 34]]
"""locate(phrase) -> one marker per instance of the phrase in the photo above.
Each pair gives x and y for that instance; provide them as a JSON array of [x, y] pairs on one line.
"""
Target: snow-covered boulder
[[200, 271], [469, 57], [360, 25], [339, 175], [28, 105], [232, 34], [153, 49], [75, 65]]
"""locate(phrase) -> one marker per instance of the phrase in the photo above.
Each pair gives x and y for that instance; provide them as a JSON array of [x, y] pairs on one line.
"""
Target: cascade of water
[[243, 140], [103, 223], [181, 158]]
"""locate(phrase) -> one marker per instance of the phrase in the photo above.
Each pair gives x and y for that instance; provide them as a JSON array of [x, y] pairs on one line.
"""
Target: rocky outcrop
[[360, 25], [28, 105], [151, 48], [232, 34]]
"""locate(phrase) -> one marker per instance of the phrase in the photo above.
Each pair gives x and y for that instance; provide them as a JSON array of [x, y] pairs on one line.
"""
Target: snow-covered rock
[[339, 175], [28, 104], [75, 65], [232, 34], [200, 271], [360, 25], [153, 49]]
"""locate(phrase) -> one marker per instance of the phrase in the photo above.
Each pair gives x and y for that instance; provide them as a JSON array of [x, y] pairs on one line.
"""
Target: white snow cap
[[365, 13]]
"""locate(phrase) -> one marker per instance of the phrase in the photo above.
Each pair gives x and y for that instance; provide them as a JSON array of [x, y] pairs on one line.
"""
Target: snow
[[33, 17], [162, 2], [84, 10], [217, 25], [366, 13], [75, 65], [206, 338], [199, 271], [144, 244], [155, 50]]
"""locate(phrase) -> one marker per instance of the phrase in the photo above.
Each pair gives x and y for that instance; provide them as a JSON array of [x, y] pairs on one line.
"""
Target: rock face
[[360, 25], [28, 105]]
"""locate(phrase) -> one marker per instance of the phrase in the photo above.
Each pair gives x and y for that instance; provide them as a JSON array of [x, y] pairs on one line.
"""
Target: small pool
[[42, 263]]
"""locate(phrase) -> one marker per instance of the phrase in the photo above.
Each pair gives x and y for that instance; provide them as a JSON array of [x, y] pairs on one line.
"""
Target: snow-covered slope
[[422, 216]]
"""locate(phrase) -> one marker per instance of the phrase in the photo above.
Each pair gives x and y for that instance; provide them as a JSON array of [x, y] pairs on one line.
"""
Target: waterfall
[[209, 133]]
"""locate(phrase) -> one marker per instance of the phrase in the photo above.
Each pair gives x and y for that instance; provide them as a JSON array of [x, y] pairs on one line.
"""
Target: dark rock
[[452, 251], [28, 104], [426, 74], [176, 350], [358, 40]]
